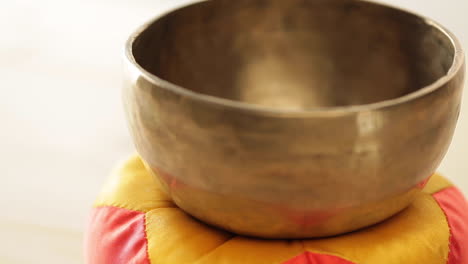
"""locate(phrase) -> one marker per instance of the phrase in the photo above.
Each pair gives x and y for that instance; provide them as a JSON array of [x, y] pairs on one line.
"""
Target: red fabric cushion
[[455, 207], [116, 236], [313, 258]]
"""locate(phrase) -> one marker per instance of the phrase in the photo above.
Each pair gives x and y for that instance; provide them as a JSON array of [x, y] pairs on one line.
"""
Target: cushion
[[134, 221]]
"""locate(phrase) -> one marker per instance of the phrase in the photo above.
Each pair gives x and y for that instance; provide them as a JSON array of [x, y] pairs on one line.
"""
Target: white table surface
[[62, 126]]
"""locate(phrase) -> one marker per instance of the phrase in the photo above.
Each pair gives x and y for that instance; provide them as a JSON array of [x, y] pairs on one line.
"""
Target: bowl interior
[[295, 54]]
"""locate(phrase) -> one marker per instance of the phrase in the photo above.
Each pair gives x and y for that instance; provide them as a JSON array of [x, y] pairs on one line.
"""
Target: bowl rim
[[457, 65]]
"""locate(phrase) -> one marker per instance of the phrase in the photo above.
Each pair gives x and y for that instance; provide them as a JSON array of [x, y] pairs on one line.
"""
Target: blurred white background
[[62, 125]]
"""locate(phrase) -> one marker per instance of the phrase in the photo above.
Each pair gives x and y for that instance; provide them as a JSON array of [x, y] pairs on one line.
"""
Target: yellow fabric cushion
[[419, 234]]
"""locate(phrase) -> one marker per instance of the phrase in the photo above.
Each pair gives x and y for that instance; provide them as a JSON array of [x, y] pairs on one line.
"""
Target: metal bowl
[[289, 119]]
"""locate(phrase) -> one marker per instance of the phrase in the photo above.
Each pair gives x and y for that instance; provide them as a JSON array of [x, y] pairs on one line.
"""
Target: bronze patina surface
[[298, 118]]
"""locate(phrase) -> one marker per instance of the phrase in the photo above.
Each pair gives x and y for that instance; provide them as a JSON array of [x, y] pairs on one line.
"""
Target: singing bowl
[[291, 119]]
